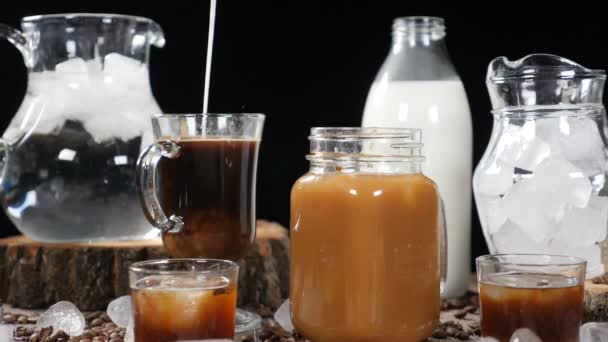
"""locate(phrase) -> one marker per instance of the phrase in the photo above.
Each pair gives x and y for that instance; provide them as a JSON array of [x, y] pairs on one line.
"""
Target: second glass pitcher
[[541, 185], [68, 156]]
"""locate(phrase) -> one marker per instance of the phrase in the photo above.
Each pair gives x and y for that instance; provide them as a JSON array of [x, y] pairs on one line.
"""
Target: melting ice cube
[[525, 335], [120, 311], [63, 316], [283, 317], [594, 332]]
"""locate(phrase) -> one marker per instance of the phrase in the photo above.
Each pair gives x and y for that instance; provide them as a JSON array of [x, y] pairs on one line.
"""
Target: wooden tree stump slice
[[596, 300], [35, 275]]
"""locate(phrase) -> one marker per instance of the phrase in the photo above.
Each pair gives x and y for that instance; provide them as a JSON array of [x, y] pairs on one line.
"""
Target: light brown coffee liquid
[[365, 257]]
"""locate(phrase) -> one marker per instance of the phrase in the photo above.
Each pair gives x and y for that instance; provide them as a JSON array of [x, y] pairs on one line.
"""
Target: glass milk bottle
[[418, 87], [367, 247]]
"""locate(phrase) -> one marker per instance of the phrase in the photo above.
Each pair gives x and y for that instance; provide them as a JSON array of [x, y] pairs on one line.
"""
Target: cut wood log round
[[596, 301], [35, 275]]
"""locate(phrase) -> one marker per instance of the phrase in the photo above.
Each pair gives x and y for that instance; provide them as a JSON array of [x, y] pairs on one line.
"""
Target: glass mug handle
[[19, 40], [147, 186], [443, 252]]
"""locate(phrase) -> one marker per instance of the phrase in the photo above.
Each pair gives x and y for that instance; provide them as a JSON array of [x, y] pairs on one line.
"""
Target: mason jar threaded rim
[[373, 144]]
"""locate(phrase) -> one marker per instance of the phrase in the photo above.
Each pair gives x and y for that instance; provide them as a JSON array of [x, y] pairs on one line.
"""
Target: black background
[[311, 63]]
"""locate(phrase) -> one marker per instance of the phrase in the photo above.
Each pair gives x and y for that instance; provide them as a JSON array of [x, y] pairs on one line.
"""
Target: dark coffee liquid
[[551, 306], [211, 186]]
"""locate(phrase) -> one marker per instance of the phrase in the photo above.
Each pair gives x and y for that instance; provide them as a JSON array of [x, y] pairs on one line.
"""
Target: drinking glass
[[542, 294], [183, 299], [197, 184]]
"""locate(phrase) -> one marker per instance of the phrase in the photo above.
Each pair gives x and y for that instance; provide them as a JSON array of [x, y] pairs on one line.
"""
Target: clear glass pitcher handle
[[4, 149], [18, 39], [443, 252], [147, 187]]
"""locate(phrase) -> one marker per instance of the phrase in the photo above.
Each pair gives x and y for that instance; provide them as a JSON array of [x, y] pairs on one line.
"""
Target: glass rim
[[344, 132], [556, 260], [420, 20], [69, 16], [209, 115], [141, 266]]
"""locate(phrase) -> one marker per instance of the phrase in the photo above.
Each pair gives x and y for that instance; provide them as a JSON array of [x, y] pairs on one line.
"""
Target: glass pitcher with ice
[[67, 159], [541, 185]]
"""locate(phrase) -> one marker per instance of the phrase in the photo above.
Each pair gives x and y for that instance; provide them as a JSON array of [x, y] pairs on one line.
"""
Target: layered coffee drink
[[365, 260], [183, 307], [210, 184], [550, 305]]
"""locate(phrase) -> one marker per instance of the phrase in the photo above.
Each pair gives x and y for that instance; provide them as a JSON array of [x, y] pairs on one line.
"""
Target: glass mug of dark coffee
[[197, 183]]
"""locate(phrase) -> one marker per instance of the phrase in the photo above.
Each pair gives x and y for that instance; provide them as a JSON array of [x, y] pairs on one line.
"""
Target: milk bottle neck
[[418, 51]]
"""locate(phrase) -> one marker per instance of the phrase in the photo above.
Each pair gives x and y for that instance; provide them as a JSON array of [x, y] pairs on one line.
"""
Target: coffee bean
[[114, 335], [87, 335], [116, 340], [32, 319], [45, 332], [461, 335], [451, 331], [96, 322], [440, 333], [85, 340], [22, 320], [9, 318]]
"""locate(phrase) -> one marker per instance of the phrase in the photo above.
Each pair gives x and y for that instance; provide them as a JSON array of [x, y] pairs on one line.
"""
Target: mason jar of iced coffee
[[366, 239]]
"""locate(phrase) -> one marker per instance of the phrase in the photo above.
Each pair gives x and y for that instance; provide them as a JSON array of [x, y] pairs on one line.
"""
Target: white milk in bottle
[[418, 87]]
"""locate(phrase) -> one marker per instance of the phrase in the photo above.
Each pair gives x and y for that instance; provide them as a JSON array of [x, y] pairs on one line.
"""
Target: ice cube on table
[[525, 335], [63, 316], [496, 179], [594, 332], [283, 316], [120, 311], [129, 334]]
